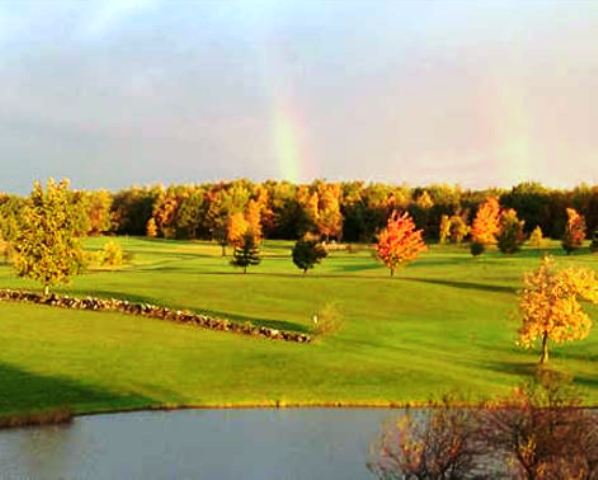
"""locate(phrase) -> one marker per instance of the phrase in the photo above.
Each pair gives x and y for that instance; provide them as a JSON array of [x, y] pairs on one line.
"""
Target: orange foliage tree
[[575, 232], [487, 222], [400, 242], [236, 229], [550, 305]]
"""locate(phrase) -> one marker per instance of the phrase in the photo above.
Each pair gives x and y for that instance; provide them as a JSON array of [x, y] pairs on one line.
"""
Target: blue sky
[[120, 92]]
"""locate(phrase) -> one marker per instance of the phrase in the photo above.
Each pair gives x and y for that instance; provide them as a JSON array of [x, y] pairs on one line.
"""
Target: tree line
[[346, 211]]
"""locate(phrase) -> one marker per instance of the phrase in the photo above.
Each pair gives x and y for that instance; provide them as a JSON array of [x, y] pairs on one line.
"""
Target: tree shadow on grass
[[262, 322], [238, 318], [464, 285], [26, 392]]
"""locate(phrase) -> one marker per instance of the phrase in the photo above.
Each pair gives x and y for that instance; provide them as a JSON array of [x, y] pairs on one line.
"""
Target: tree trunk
[[392, 272], [544, 357], [46, 290], [223, 249], [245, 269]]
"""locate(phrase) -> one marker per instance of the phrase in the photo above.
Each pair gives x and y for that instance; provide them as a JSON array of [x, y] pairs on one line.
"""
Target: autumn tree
[[253, 217], [151, 229], [190, 213], [444, 229], [99, 204], [236, 229], [486, 224], [550, 308], [307, 253], [47, 248], [441, 444], [453, 229], [247, 253], [511, 236], [400, 242], [575, 231], [536, 238], [329, 218]]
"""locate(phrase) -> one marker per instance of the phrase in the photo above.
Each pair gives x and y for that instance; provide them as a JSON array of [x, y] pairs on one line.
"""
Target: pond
[[314, 443]]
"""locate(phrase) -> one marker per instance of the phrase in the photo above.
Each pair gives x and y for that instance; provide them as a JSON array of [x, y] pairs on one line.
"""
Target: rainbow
[[512, 145], [288, 141]]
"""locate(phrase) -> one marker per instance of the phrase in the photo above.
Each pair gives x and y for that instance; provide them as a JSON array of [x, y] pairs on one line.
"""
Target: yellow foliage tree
[[487, 222], [536, 239], [237, 228], [47, 248], [253, 217], [151, 229], [550, 306]]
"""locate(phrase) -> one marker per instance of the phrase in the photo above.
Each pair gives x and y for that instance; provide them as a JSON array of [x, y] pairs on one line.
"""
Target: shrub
[[112, 254], [536, 239], [477, 248], [328, 319], [438, 444]]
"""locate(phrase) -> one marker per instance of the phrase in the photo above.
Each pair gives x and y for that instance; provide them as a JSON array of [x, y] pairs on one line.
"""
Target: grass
[[445, 323]]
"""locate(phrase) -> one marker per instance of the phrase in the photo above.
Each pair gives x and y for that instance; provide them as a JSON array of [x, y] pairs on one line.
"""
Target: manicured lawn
[[445, 323]]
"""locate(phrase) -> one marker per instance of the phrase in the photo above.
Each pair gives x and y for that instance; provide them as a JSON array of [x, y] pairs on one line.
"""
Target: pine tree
[[246, 254], [47, 248]]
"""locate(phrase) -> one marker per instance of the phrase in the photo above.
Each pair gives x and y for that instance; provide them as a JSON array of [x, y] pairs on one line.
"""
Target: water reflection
[[223, 444]]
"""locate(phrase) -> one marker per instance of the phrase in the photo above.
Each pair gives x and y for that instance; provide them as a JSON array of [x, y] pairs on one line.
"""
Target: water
[[243, 444]]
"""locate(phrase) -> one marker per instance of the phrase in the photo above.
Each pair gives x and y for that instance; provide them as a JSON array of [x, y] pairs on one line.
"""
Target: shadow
[[237, 318], [262, 322], [589, 382], [513, 368], [464, 285], [358, 268], [26, 392]]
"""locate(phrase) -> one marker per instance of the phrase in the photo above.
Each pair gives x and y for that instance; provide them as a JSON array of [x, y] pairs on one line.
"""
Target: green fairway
[[446, 322]]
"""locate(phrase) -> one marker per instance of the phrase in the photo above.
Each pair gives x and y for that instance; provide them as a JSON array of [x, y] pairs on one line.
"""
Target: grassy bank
[[444, 323]]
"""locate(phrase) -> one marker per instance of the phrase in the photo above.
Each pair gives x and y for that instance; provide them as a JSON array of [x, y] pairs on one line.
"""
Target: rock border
[[152, 311]]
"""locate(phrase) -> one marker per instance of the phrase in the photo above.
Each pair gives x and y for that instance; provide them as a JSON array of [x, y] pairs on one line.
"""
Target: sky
[[120, 92]]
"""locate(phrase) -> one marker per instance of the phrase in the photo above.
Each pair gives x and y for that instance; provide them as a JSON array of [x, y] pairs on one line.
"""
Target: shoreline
[[64, 415]]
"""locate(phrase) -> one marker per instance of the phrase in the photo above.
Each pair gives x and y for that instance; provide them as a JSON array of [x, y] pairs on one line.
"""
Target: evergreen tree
[[47, 248], [307, 253], [246, 254]]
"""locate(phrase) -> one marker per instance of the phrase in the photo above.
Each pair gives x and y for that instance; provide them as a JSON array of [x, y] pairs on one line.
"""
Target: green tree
[[308, 253], [510, 237], [47, 247], [246, 254]]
